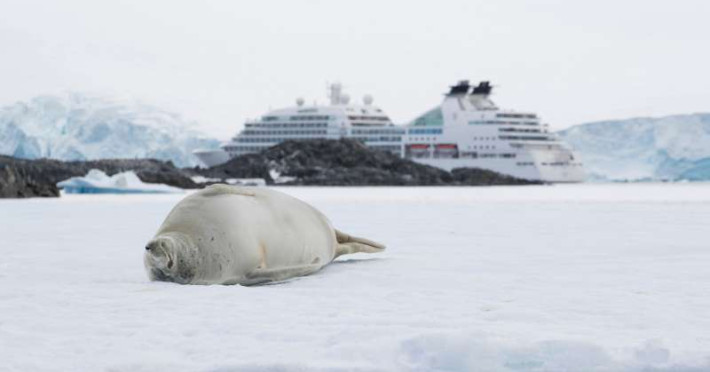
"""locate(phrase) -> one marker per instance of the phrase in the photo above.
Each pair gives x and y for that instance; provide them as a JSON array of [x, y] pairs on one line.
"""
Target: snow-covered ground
[[542, 278]]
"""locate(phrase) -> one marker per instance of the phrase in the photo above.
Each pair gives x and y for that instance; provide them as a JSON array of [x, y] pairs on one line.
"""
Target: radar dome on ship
[[367, 99], [345, 99], [300, 101]]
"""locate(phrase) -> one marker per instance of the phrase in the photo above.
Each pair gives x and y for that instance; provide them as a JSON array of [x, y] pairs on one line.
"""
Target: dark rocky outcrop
[[20, 178], [24, 180], [313, 162], [347, 163]]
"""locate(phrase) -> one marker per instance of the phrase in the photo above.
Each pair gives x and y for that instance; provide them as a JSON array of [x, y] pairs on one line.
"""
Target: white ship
[[466, 130], [339, 119]]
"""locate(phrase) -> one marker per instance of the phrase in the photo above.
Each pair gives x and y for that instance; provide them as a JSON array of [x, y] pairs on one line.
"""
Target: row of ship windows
[[479, 147], [242, 149], [463, 154], [531, 138], [310, 117], [378, 139], [561, 164], [270, 139], [432, 138], [370, 125], [554, 164], [297, 133], [487, 155], [372, 118], [297, 118], [378, 131], [498, 122], [519, 130], [426, 131], [286, 132], [516, 116], [286, 125]]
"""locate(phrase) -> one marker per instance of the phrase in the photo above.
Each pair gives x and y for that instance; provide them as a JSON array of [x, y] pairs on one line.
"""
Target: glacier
[[78, 126], [670, 148]]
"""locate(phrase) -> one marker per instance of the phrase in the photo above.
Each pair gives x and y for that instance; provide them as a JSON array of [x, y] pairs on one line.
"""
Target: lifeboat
[[446, 150], [419, 146]]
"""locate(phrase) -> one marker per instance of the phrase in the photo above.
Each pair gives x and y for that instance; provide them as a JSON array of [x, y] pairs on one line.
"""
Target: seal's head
[[170, 257]]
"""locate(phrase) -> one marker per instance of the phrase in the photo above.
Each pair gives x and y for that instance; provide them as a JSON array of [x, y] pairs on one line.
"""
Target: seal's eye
[[147, 247]]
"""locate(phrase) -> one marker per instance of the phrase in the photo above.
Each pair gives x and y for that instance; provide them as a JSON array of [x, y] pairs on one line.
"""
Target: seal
[[236, 235]]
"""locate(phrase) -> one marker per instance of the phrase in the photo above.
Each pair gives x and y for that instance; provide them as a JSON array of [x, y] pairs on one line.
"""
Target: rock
[[20, 178], [347, 162], [313, 162], [24, 182]]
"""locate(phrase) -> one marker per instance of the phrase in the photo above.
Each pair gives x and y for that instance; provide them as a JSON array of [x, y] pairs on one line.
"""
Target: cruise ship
[[466, 130]]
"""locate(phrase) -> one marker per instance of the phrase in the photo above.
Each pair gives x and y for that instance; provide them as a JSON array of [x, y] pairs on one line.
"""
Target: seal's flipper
[[351, 244], [263, 276]]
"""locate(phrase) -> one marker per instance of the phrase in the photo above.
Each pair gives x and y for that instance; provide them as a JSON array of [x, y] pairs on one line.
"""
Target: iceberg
[[97, 182]]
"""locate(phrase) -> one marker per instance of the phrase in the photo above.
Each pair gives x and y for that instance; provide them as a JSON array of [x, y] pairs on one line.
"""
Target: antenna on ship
[[335, 91]]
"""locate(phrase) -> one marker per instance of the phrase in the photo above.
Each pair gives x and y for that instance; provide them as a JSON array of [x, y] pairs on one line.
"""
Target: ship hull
[[534, 171]]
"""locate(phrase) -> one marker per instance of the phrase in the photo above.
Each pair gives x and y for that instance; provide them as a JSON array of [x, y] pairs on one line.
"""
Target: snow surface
[[595, 277], [97, 182], [77, 126], [666, 148]]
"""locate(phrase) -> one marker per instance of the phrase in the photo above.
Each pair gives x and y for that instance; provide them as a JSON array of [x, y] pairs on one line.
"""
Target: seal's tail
[[351, 244]]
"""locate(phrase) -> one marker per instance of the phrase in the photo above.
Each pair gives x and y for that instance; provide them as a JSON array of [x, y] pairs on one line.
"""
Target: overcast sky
[[221, 62]]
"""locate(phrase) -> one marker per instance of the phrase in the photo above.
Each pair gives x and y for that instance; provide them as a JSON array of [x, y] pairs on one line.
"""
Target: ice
[[665, 148], [77, 126], [278, 178], [202, 179], [596, 277], [97, 182]]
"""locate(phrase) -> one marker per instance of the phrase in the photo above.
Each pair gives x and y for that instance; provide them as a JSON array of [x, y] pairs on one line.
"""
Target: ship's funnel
[[461, 88], [483, 88]]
